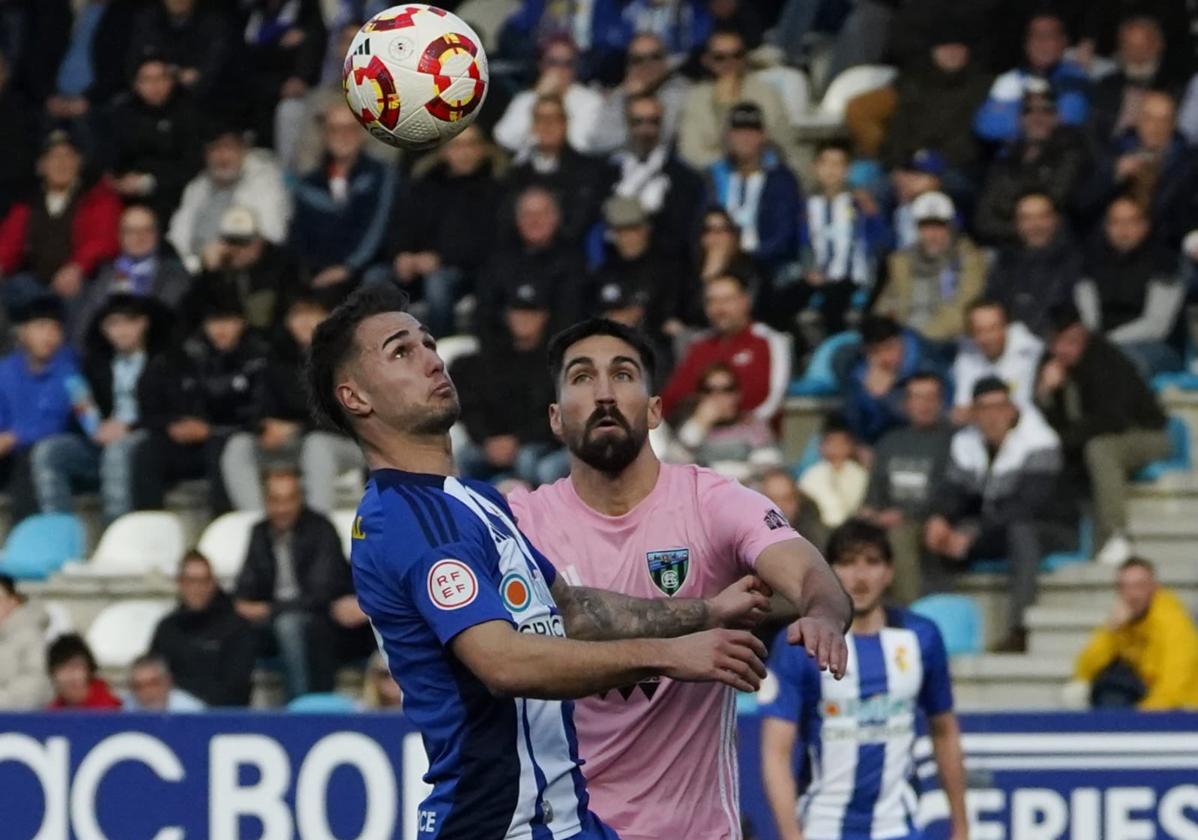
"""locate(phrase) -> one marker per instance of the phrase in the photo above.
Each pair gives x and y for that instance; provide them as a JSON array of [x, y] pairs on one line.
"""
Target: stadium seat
[[792, 87], [60, 621], [343, 521], [958, 619], [850, 83], [1179, 459], [819, 379], [136, 544], [41, 545], [123, 631], [1050, 562], [335, 704], [227, 539], [809, 458], [453, 347]]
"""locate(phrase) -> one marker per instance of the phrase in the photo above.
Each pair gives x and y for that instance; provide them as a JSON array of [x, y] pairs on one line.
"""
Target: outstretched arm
[[600, 614]]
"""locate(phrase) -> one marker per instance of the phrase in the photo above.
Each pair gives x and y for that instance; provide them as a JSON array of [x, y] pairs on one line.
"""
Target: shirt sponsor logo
[[515, 591], [451, 584], [775, 520]]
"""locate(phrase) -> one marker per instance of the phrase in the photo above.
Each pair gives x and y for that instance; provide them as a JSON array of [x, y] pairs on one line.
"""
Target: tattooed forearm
[[600, 615]]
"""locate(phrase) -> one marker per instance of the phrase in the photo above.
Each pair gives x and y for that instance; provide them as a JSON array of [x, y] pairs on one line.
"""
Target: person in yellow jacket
[[1151, 631]]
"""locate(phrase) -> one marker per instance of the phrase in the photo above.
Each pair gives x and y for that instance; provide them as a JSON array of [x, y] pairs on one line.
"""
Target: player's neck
[[615, 495], [431, 454], [870, 623]]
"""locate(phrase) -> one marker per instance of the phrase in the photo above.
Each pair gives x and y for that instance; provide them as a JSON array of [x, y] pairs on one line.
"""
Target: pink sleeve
[[741, 523]]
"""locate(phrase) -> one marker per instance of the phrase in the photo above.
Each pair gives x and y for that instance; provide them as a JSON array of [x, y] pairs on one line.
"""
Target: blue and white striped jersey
[[433, 556], [858, 734]]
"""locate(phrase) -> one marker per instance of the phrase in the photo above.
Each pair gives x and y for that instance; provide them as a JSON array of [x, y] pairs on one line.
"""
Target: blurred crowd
[[986, 255]]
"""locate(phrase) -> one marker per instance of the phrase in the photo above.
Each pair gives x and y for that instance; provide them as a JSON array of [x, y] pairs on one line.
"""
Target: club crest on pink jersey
[[668, 568]]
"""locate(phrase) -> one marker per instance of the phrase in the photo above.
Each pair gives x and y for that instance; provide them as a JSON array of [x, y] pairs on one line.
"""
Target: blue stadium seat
[[324, 704], [958, 619], [1050, 562], [41, 545], [819, 379], [1182, 380], [809, 458], [1179, 453]]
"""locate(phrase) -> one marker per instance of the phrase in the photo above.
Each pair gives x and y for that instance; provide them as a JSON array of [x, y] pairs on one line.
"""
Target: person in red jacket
[[63, 234], [73, 672], [759, 356]]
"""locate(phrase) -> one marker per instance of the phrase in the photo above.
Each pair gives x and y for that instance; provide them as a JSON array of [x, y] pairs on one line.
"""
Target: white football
[[415, 75]]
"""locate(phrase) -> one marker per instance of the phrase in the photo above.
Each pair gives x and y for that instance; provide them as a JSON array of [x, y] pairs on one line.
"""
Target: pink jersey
[[660, 757]]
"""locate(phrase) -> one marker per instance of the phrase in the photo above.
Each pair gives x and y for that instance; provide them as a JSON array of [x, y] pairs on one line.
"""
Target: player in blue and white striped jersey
[[472, 619], [858, 734]]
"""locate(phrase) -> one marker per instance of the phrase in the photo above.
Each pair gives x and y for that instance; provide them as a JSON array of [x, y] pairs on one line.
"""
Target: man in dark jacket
[[284, 49], [18, 131], [194, 37], [1116, 98], [295, 586], [1048, 157], [1041, 269], [505, 398], [1109, 420], [208, 647], [194, 400]]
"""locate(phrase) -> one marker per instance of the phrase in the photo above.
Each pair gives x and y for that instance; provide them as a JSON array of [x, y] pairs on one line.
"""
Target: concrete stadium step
[[1062, 631], [998, 681], [1086, 585]]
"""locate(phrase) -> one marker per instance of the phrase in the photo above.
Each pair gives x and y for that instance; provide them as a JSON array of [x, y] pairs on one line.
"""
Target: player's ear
[[352, 399], [655, 413], [555, 420]]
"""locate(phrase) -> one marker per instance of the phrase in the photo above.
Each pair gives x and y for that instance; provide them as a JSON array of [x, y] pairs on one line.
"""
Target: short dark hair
[[1036, 192], [878, 328], [835, 424], [990, 385], [643, 96], [855, 534], [734, 276], [987, 303], [67, 647], [1136, 562], [333, 343], [835, 145], [8, 586], [1062, 316], [194, 555], [925, 376], [560, 343]]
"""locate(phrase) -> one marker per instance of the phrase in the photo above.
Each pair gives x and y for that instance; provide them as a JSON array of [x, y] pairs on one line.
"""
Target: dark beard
[[610, 455]]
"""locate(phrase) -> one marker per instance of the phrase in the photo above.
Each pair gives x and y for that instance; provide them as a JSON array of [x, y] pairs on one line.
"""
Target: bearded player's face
[[604, 410]]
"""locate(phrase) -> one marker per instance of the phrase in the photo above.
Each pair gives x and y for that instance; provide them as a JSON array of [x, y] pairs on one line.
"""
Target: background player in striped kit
[[857, 734]]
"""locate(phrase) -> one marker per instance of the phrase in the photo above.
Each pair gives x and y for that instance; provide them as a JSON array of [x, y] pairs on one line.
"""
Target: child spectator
[[73, 672], [836, 483]]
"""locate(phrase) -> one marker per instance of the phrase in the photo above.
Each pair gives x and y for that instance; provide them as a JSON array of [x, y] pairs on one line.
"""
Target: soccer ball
[[415, 75]]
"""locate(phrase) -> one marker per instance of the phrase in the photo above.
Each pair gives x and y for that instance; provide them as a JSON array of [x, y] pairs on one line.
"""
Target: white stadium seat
[[852, 82], [136, 544], [793, 88], [227, 539], [123, 631], [60, 620]]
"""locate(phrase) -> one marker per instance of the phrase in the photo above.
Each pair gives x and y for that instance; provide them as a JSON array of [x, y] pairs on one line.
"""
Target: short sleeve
[[741, 523], [936, 693], [453, 588], [788, 666]]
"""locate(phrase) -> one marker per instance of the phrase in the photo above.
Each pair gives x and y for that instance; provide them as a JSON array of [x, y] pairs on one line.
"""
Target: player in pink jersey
[[660, 755]]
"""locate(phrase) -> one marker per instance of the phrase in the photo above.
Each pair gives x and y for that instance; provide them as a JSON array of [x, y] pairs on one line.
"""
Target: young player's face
[[604, 411], [865, 574], [398, 379]]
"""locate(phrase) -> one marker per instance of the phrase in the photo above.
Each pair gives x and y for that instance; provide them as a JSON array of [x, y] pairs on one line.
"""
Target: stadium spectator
[[778, 484], [577, 181], [558, 67], [284, 47], [152, 689], [144, 268], [836, 482], [1002, 497], [1048, 158], [295, 587], [380, 691], [635, 262], [92, 67], [150, 139], [1152, 163], [1117, 97], [720, 434], [18, 128], [933, 105], [1130, 290], [195, 399], [760, 356], [341, 208], [705, 114], [628, 305], [720, 253], [505, 398], [923, 172], [1039, 271], [73, 673], [23, 682], [40, 392], [647, 75], [208, 648], [234, 176], [648, 170], [1044, 58], [194, 37], [444, 228], [757, 189], [284, 433], [1100, 28], [120, 344], [995, 347], [56, 241], [1108, 419], [1146, 654], [908, 466], [542, 259], [930, 284], [871, 376]]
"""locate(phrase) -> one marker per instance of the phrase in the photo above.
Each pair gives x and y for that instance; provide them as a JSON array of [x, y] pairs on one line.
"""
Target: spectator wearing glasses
[[558, 67], [705, 114], [647, 74], [720, 252], [720, 433], [152, 689]]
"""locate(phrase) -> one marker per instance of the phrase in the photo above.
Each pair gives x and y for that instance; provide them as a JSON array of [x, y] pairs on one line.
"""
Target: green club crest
[[668, 568]]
